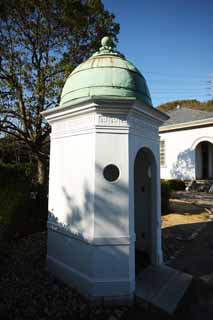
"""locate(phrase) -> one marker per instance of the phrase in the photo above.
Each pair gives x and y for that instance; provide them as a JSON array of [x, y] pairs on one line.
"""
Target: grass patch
[[175, 219]]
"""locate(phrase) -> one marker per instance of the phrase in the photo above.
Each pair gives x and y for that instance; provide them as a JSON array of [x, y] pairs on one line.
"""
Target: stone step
[[162, 287], [209, 181], [190, 201], [200, 185]]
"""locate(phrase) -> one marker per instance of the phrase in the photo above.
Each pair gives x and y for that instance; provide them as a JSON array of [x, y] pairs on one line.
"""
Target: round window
[[111, 172]]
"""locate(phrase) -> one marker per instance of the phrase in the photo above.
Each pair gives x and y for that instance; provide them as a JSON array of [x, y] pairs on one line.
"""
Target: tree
[[191, 104], [13, 151], [40, 43]]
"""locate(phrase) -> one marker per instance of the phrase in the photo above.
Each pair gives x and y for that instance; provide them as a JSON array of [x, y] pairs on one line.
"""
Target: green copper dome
[[107, 73]]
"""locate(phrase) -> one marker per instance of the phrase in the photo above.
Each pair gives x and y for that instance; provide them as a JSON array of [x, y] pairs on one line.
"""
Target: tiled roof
[[182, 115]]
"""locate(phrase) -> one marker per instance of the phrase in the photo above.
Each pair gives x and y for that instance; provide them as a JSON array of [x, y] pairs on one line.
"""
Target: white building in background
[[186, 145]]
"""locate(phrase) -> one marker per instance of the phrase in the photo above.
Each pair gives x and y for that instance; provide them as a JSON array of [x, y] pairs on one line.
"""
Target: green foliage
[[167, 186], [191, 104], [14, 151], [13, 172], [176, 184], [19, 212], [13, 196]]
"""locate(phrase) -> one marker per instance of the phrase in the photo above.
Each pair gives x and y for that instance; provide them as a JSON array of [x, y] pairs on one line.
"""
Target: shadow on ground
[[196, 258]]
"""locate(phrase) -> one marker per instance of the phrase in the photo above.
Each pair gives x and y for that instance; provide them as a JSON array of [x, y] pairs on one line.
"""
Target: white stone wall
[[180, 151], [71, 177], [91, 232], [111, 198]]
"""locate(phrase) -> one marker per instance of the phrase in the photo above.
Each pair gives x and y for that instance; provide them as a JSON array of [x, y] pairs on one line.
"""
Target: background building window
[[162, 153]]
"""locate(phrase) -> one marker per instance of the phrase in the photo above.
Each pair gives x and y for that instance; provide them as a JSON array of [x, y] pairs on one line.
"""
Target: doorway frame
[[156, 256], [199, 157]]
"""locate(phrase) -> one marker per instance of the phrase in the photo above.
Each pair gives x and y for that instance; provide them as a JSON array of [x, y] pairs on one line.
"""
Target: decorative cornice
[[105, 104], [105, 115], [111, 120], [103, 120]]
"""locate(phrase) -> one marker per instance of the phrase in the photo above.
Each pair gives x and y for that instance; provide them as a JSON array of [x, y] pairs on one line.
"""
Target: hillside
[[191, 104]]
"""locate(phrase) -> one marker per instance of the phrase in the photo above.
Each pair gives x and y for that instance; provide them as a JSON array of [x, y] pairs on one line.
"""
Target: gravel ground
[[197, 259], [28, 291], [178, 230]]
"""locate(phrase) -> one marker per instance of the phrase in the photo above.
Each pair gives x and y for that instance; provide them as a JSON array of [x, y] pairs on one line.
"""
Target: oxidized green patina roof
[[106, 73]]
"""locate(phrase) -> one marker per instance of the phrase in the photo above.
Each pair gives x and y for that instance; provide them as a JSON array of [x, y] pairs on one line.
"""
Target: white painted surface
[[180, 152], [162, 287], [72, 182], [91, 231]]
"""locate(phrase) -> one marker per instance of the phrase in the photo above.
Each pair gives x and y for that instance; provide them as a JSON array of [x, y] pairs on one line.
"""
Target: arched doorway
[[204, 160], [145, 206]]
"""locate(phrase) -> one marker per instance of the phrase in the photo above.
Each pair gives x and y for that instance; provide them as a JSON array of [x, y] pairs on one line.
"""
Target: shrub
[[22, 213], [167, 186], [16, 172], [177, 185]]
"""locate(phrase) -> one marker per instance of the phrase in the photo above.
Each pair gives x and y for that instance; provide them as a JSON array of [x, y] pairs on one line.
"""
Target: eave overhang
[[186, 125], [105, 104]]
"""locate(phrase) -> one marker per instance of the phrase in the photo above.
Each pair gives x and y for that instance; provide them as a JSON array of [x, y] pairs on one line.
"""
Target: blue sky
[[171, 42]]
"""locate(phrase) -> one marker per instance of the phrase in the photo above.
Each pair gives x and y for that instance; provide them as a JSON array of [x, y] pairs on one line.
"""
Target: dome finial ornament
[[107, 47], [107, 42]]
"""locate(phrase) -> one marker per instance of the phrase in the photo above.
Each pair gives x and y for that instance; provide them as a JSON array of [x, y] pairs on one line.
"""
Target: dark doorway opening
[[145, 207], [205, 159]]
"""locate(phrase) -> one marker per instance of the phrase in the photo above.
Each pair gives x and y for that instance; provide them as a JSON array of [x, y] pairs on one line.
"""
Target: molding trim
[[91, 287], [105, 105], [105, 122], [150, 112], [118, 120], [87, 239], [201, 139], [71, 133]]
